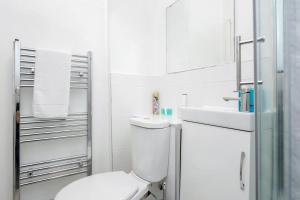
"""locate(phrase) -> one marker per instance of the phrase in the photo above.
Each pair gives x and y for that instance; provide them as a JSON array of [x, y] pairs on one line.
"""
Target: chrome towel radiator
[[50, 151]]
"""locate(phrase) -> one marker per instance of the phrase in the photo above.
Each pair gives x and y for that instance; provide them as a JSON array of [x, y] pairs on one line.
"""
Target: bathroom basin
[[219, 116]]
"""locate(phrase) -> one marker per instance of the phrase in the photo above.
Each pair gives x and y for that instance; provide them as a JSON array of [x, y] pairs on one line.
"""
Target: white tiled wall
[[131, 95]]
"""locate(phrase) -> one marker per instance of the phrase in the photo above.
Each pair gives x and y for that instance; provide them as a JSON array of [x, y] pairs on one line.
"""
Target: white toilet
[[150, 152]]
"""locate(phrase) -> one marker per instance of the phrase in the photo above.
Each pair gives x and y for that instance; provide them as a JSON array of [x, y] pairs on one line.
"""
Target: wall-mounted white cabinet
[[216, 163]]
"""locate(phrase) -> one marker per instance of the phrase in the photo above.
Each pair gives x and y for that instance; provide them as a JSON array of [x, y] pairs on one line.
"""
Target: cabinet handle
[[242, 183]]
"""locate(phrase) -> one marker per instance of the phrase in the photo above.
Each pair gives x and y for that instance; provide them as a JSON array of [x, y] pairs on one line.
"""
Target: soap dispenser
[[155, 103]]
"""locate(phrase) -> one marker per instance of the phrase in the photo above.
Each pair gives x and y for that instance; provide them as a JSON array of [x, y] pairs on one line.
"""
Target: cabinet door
[[213, 158]]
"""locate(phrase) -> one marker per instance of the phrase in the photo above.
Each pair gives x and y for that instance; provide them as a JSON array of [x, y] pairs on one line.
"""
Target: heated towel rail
[[29, 130]]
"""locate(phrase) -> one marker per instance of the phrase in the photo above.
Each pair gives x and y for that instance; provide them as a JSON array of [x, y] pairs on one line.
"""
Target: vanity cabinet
[[216, 163]]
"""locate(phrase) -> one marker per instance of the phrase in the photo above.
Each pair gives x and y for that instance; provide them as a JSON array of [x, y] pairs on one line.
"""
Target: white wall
[[136, 42], [131, 95], [135, 77], [74, 25]]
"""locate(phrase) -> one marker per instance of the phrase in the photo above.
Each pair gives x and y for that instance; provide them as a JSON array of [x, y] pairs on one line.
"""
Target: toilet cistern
[[150, 147]]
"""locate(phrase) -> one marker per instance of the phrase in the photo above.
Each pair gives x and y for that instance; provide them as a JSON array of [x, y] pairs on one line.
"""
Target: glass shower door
[[270, 141]]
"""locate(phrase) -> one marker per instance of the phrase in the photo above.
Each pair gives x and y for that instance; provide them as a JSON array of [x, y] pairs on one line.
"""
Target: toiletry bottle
[[155, 103], [184, 100], [169, 112], [240, 101], [244, 100], [251, 100]]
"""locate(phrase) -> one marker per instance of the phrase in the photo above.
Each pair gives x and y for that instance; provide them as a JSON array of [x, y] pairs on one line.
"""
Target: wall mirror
[[200, 34]]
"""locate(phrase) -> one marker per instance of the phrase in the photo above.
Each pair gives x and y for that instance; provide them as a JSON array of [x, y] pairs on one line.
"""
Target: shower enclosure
[[276, 111]]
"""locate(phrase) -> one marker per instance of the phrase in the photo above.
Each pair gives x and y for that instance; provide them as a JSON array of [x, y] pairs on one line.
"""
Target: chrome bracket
[[238, 60]]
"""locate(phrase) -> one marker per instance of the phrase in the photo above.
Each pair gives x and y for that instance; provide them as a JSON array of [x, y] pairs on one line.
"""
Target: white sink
[[219, 116]]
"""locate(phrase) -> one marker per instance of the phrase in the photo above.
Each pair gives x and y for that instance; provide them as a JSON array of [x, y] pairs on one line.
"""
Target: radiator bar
[[52, 132], [53, 166], [52, 178], [53, 160], [54, 138], [56, 126], [52, 172]]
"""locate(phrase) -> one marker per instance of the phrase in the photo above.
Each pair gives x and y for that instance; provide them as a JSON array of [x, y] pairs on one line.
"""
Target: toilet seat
[[105, 186]]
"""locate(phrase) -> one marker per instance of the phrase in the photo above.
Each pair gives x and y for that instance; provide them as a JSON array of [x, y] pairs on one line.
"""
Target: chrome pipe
[[26, 67], [27, 61], [54, 138], [52, 120], [52, 132], [27, 74], [90, 114], [72, 77], [33, 68], [33, 56], [246, 42], [34, 50], [238, 62], [53, 160], [79, 61], [53, 166], [74, 66], [16, 121], [72, 114], [53, 178], [74, 82], [28, 55], [74, 61], [79, 66], [52, 172], [72, 87], [79, 82], [76, 71], [79, 56], [28, 49], [79, 77], [55, 126], [260, 39]]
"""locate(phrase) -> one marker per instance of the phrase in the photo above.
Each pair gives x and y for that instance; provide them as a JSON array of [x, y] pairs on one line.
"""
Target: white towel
[[51, 84]]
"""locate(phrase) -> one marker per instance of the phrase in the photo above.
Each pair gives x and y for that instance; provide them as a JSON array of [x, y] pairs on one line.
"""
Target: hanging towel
[[51, 84]]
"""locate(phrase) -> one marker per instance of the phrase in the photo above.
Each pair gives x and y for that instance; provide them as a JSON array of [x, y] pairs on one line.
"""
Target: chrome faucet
[[244, 100]]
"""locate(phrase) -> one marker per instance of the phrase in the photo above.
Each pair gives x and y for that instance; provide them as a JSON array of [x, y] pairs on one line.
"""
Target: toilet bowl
[[150, 153]]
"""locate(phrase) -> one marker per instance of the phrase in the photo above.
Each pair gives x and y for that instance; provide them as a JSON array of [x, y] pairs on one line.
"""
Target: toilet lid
[[105, 186]]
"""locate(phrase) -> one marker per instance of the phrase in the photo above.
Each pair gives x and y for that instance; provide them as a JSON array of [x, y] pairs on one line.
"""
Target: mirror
[[200, 34]]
